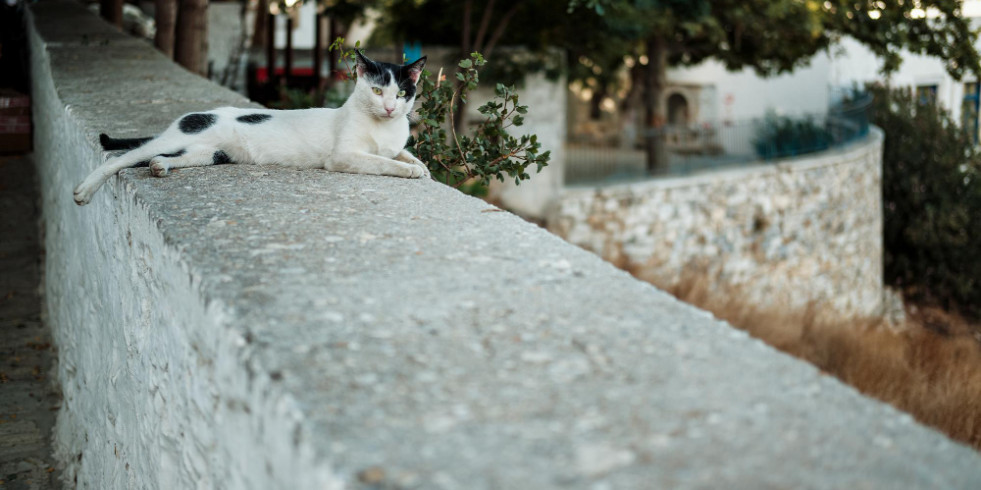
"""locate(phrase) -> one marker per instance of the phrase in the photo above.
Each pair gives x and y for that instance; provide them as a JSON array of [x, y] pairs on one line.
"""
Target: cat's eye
[[401, 93], [376, 90]]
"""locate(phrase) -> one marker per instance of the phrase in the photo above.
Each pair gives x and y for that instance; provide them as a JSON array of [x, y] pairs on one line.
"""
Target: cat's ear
[[363, 63], [415, 69]]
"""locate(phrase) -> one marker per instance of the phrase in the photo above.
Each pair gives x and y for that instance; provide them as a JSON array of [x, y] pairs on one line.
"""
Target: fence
[[683, 150]]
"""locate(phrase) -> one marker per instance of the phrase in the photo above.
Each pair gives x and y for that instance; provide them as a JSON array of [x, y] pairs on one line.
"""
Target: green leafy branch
[[489, 151], [346, 56]]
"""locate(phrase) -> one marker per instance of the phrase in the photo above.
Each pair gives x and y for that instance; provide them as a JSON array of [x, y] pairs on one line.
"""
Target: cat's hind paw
[[158, 168], [83, 194]]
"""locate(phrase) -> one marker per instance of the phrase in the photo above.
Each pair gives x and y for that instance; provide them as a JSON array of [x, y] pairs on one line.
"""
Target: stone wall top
[[246, 327]]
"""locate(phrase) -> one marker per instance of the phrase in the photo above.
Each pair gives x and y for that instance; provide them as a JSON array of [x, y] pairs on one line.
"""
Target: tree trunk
[[112, 11], [288, 62], [654, 85], [191, 42], [465, 36], [318, 54], [470, 42], [270, 29], [166, 20], [259, 26], [465, 46], [596, 104], [338, 69]]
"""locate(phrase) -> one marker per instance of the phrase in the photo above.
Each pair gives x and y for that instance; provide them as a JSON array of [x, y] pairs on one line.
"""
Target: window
[[969, 110], [926, 94]]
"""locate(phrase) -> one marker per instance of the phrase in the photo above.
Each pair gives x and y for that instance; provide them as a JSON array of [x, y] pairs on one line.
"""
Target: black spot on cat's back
[[253, 118], [220, 158], [195, 123]]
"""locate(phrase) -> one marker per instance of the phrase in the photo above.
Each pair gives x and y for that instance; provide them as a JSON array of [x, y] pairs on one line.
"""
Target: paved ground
[[27, 400]]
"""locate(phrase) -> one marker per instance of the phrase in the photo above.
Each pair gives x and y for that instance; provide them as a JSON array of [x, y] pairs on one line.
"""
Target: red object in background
[[15, 122], [262, 74]]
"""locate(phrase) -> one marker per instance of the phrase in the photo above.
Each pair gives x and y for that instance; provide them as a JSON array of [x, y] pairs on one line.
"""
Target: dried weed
[[930, 367]]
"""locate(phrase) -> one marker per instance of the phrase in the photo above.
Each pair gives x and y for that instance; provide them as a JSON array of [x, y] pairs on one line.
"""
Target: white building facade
[[732, 96]]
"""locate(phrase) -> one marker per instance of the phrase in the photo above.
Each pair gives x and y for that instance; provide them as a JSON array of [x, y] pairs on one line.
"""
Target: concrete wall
[[802, 231], [263, 328]]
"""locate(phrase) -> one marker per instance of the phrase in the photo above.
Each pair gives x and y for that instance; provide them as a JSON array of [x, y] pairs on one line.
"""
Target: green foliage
[[346, 56], [489, 152], [931, 189], [783, 136]]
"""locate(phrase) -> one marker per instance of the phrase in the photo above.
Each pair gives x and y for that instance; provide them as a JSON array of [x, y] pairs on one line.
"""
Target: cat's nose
[[389, 111]]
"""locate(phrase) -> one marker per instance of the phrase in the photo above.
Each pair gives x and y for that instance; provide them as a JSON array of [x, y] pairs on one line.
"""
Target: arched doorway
[[678, 114]]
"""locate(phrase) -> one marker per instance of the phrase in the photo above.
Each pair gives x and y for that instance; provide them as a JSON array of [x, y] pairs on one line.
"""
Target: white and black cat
[[366, 135]]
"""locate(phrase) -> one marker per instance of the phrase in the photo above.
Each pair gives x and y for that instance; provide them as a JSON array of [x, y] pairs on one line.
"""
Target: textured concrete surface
[[27, 392], [244, 327], [806, 231]]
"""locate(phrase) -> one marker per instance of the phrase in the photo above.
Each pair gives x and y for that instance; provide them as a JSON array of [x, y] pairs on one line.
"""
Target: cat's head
[[385, 90]]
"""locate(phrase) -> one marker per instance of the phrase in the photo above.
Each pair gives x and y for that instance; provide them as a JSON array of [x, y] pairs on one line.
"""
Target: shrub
[[782, 136], [931, 190]]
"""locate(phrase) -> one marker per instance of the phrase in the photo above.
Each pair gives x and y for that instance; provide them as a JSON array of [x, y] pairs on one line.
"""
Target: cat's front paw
[[421, 168], [417, 172]]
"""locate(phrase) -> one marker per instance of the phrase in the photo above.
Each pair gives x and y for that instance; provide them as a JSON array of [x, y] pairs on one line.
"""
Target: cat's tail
[[112, 144]]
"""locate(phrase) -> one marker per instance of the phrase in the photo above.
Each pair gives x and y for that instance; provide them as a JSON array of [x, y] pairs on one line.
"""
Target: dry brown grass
[[930, 367]]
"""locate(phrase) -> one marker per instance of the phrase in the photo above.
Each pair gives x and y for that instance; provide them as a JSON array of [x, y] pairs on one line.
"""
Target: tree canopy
[[768, 36]]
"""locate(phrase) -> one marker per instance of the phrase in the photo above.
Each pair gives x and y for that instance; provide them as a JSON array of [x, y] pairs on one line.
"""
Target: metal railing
[[682, 150]]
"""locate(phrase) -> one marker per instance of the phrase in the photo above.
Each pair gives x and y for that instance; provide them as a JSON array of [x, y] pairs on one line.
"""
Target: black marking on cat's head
[[365, 66], [220, 157], [254, 118], [195, 123], [408, 76], [414, 70], [381, 73]]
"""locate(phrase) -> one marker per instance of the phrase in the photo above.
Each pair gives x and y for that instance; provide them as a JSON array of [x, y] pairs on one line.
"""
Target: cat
[[366, 135]]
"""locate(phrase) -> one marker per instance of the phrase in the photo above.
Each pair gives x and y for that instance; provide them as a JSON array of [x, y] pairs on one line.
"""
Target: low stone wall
[[263, 328], [805, 231]]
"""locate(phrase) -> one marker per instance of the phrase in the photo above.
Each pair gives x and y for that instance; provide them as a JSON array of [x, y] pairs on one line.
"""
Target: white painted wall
[[304, 28], [852, 63], [743, 94]]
